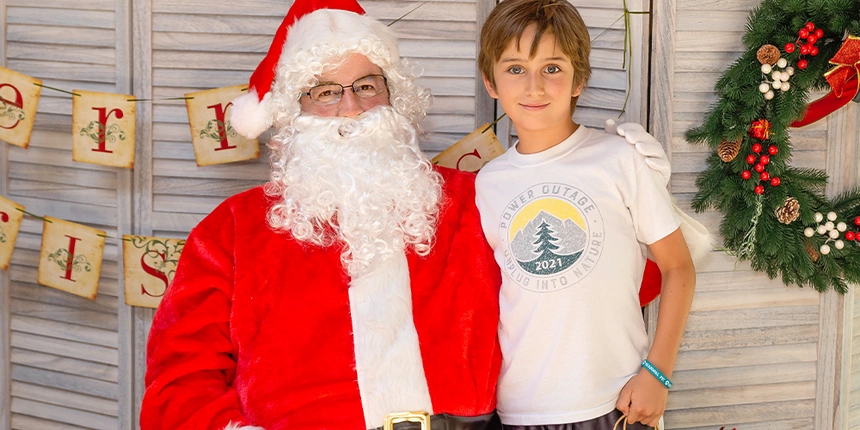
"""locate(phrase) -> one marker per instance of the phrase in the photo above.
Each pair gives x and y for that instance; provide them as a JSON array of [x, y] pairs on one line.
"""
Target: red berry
[[774, 181], [756, 147], [802, 64], [789, 48], [813, 51], [772, 150], [764, 176], [849, 235], [809, 26], [819, 33], [759, 189], [811, 39], [759, 168], [803, 33], [764, 159], [746, 174], [857, 221], [804, 50], [750, 159]]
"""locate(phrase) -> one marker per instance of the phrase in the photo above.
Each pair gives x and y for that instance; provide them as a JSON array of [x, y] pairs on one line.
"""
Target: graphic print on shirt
[[552, 236]]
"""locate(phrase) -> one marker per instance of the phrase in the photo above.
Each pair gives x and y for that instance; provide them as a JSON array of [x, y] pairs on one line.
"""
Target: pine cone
[[767, 54], [813, 253], [728, 150], [789, 211]]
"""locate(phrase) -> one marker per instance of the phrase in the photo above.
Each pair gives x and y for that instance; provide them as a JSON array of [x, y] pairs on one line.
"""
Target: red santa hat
[[314, 36]]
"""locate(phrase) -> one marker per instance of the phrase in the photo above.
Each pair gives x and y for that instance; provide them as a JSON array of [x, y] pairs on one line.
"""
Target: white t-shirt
[[569, 227]]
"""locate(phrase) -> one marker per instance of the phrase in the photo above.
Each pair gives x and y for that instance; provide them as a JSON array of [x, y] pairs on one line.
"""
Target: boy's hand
[[643, 399], [645, 144]]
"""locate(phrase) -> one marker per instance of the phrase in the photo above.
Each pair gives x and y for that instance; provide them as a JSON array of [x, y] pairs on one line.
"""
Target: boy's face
[[535, 92]]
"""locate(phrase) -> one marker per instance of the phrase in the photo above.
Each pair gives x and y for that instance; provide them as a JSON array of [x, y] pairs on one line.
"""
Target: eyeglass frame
[[343, 89]]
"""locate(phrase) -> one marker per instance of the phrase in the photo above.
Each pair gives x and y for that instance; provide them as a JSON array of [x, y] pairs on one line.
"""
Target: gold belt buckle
[[402, 417]]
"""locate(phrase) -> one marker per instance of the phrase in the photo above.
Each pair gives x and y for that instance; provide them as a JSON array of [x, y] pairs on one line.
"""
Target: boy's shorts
[[606, 422]]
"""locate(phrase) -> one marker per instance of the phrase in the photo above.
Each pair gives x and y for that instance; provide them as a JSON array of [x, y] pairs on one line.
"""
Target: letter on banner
[[103, 129], [19, 98], [11, 214], [215, 140], [71, 257], [470, 153], [149, 264]]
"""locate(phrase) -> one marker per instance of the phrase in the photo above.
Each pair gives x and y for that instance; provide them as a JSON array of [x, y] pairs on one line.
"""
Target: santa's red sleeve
[[190, 357]]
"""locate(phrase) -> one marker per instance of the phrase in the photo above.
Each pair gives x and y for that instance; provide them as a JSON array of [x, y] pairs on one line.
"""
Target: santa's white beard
[[363, 182]]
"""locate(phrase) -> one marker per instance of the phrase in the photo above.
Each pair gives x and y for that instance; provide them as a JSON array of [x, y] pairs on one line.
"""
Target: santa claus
[[352, 291]]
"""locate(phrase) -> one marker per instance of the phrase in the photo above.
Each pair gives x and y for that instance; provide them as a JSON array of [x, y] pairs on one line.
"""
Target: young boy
[[569, 213]]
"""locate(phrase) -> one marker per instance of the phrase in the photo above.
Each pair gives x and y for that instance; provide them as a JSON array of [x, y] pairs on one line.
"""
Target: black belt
[[451, 422]]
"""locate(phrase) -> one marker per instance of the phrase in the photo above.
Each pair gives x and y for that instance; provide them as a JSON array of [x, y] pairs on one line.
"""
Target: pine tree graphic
[[545, 241], [548, 262]]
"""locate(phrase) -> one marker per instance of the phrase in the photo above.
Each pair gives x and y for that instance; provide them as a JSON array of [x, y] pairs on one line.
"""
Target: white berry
[[831, 216], [764, 87], [777, 85], [782, 62], [825, 249], [839, 244], [822, 229], [819, 217], [841, 226], [768, 95], [785, 86], [833, 234], [765, 68], [829, 225], [808, 232], [776, 75], [789, 70]]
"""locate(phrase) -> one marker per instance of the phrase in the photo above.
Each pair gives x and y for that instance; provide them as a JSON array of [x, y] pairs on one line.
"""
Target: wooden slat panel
[[59, 413], [63, 381], [71, 366], [740, 415], [64, 398], [64, 348], [60, 17], [24, 422]]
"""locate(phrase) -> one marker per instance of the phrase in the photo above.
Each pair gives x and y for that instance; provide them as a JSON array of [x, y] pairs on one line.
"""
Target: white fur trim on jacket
[[250, 116], [232, 426], [387, 358]]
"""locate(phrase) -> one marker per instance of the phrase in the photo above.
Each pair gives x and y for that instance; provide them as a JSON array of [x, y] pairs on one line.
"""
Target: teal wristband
[[657, 374]]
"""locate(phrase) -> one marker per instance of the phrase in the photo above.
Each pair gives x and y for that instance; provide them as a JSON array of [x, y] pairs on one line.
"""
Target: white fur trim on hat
[[250, 116]]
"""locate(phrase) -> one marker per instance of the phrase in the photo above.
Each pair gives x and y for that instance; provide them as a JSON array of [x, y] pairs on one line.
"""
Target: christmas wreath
[[776, 216]]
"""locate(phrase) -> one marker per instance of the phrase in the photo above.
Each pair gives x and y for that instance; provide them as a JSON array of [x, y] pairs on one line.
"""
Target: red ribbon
[[844, 80]]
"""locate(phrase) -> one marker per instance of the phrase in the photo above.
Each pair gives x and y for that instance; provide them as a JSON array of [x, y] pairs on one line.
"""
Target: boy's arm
[[643, 399]]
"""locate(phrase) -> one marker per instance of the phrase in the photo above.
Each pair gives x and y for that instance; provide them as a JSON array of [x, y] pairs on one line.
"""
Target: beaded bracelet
[[657, 374]]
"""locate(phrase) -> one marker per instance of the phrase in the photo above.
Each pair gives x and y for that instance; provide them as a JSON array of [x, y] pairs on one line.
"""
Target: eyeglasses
[[366, 87]]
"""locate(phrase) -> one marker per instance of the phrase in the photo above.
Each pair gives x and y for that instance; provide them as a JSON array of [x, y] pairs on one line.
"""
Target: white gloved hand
[[645, 144]]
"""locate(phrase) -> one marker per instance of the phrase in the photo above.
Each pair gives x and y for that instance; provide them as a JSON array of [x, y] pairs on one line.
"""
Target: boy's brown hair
[[510, 18]]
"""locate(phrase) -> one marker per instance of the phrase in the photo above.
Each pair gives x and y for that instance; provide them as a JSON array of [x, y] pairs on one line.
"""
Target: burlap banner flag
[[19, 98], [11, 214], [103, 128], [470, 153], [215, 141], [149, 264], [71, 257]]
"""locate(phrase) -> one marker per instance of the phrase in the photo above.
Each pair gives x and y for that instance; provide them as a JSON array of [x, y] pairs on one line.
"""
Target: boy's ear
[[578, 90], [491, 90]]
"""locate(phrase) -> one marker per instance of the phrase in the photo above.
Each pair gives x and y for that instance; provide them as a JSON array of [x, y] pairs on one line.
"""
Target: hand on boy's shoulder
[[645, 144]]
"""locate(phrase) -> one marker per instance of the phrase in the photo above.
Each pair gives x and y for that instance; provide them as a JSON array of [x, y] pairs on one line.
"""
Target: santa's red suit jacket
[[255, 328]]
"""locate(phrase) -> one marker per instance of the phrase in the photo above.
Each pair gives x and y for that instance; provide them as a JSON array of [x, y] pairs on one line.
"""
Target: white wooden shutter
[[756, 354], [64, 350]]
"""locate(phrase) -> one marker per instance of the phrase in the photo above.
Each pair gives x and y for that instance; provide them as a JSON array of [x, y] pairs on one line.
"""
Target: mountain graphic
[[567, 237]]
